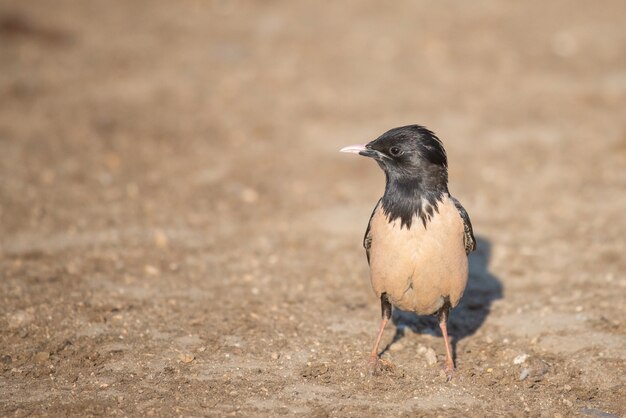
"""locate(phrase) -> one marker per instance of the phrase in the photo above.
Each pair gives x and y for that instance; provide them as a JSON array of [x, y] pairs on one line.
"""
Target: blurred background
[[179, 235]]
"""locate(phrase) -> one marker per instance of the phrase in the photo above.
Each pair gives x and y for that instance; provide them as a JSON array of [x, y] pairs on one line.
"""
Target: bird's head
[[410, 153]]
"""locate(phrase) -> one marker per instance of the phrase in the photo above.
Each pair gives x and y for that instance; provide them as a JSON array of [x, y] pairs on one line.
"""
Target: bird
[[419, 237]]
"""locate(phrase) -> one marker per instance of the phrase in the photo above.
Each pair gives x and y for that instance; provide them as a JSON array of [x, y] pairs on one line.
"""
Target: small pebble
[[160, 239], [524, 374], [430, 356], [151, 270], [72, 268], [249, 195], [20, 318], [186, 358], [6, 359], [275, 356], [520, 359]]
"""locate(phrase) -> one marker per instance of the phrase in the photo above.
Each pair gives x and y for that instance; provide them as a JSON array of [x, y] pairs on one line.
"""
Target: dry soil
[[180, 237]]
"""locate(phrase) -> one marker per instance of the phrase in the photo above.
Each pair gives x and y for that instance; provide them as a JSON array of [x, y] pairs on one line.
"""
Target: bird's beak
[[360, 149]]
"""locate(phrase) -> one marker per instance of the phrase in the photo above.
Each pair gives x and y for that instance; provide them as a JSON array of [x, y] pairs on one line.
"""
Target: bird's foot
[[448, 370], [373, 365], [376, 365]]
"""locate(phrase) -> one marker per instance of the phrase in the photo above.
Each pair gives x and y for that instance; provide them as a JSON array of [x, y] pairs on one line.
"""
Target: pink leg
[[449, 362], [374, 355], [386, 313]]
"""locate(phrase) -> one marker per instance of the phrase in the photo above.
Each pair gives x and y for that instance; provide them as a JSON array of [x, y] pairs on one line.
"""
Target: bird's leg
[[443, 324], [385, 307]]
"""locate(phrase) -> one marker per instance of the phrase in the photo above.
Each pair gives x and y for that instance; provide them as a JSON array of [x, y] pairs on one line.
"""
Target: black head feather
[[416, 167]]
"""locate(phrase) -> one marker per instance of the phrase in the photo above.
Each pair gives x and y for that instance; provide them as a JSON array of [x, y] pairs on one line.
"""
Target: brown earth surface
[[180, 237]]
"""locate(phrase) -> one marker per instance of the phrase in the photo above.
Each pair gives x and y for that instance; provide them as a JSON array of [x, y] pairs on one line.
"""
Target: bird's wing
[[470, 241], [367, 239]]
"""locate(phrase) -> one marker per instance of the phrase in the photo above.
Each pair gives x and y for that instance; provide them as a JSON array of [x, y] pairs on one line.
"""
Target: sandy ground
[[180, 237]]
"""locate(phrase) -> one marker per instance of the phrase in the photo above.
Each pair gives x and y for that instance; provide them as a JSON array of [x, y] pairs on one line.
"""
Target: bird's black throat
[[408, 196]]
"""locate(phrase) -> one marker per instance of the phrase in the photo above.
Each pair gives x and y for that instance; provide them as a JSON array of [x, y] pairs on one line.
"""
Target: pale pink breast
[[420, 266]]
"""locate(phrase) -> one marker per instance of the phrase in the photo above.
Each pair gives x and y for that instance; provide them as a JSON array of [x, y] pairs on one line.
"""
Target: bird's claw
[[373, 365], [448, 370], [377, 365]]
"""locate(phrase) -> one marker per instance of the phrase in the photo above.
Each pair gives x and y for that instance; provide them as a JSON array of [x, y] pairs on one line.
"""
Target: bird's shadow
[[482, 289]]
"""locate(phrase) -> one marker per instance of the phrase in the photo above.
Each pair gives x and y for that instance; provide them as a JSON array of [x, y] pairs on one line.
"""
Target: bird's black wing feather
[[367, 239], [470, 241]]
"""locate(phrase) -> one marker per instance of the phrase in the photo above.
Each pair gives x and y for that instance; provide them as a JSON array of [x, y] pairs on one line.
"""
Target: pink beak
[[354, 149]]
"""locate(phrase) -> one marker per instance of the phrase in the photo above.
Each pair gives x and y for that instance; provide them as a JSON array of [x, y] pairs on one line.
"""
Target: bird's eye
[[395, 151]]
